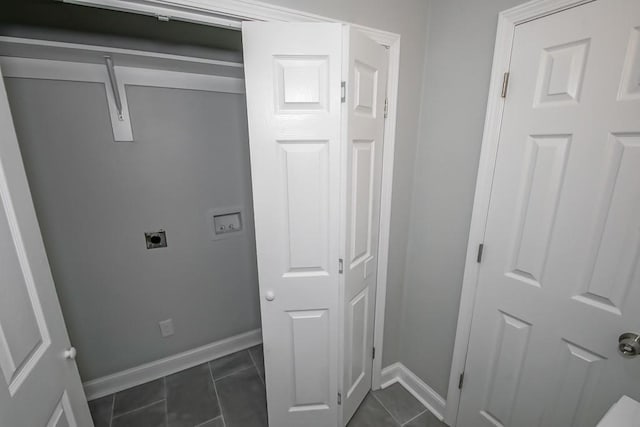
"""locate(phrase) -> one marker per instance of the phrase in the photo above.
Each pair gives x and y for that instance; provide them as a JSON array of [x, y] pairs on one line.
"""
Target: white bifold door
[[315, 97], [39, 380], [560, 279]]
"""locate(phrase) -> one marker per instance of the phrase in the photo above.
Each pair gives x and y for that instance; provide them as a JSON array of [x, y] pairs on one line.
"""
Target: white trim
[[169, 365], [46, 69], [38, 46], [507, 22], [226, 13], [179, 80], [398, 373], [230, 14], [29, 68], [49, 69], [384, 235], [219, 13]]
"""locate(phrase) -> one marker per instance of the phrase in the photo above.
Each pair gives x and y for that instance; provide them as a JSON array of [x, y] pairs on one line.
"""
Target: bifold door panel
[[316, 172], [366, 70], [293, 75]]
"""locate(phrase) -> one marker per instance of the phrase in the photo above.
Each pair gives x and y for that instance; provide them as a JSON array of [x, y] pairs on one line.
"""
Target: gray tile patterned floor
[[393, 406], [230, 392]]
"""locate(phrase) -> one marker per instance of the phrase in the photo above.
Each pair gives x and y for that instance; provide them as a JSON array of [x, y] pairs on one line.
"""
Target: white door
[[38, 385], [292, 77], [316, 170], [560, 278], [365, 76]]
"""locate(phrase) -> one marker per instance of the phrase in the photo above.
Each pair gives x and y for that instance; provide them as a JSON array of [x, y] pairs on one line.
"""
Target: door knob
[[629, 344], [70, 353], [269, 296]]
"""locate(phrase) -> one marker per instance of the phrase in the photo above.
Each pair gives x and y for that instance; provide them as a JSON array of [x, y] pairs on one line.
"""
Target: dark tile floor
[[393, 406], [230, 392]]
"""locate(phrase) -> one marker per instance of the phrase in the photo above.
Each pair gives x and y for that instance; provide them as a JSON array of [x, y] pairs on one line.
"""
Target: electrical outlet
[[166, 327]]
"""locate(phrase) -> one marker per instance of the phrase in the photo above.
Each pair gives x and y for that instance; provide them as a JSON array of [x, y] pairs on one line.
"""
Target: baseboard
[[398, 373], [169, 365]]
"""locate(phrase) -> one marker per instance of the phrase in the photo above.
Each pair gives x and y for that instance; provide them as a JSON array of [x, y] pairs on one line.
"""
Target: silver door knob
[[70, 353], [629, 344], [269, 296]]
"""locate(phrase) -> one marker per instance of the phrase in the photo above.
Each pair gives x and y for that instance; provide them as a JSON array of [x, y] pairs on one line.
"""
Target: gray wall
[[409, 19], [95, 199], [459, 54], [440, 121]]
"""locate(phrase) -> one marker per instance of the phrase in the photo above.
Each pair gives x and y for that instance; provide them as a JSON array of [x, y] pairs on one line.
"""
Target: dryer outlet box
[[156, 239]]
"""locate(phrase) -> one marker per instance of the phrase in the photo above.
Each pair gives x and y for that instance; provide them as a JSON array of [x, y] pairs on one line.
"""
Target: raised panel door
[[559, 279]]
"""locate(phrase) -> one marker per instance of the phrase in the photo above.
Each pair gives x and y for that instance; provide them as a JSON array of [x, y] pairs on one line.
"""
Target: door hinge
[[461, 381], [343, 92], [505, 85], [386, 108], [340, 266], [480, 251], [373, 353], [339, 398]]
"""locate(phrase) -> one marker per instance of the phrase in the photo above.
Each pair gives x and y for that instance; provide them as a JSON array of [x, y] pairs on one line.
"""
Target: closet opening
[[157, 158], [133, 133]]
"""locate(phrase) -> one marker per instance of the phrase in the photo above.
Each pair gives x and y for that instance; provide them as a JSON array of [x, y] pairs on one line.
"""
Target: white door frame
[[230, 14], [507, 22]]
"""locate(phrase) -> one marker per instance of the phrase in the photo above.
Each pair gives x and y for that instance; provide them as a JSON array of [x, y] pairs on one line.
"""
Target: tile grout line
[[232, 373], [166, 404], [408, 421], [113, 406], [255, 365], [112, 416], [215, 388], [385, 408], [138, 409], [212, 419]]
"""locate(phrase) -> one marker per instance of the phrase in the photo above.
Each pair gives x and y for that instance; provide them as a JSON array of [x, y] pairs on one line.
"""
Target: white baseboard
[[398, 373], [169, 365]]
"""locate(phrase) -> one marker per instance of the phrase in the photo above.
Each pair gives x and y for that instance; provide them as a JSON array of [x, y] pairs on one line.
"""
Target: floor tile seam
[[212, 419], [166, 400], [252, 359], [232, 373], [408, 421], [113, 406], [387, 410], [256, 366], [215, 389], [140, 408]]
